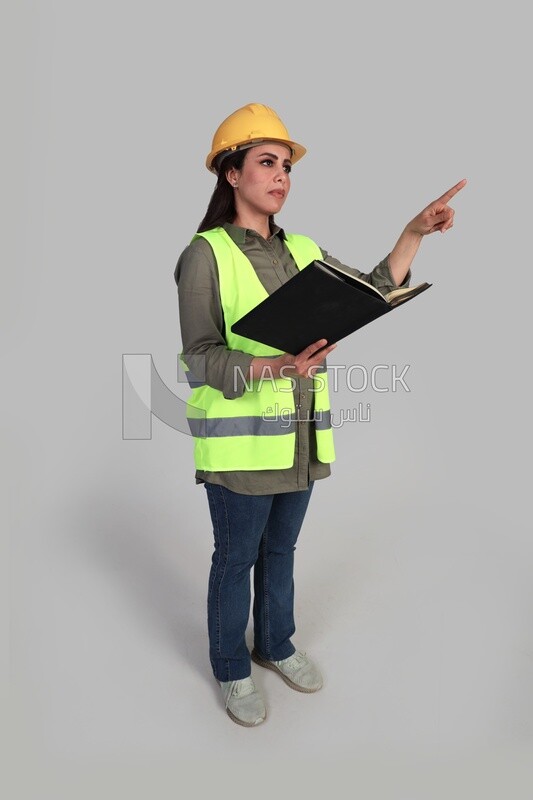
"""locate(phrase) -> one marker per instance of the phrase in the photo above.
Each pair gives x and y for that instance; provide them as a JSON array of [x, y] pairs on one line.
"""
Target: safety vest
[[257, 430]]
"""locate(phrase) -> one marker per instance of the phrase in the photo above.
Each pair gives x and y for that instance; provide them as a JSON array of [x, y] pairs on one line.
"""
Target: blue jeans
[[258, 531]]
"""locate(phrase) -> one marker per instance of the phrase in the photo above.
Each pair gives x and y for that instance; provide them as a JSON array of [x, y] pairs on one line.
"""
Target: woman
[[259, 471]]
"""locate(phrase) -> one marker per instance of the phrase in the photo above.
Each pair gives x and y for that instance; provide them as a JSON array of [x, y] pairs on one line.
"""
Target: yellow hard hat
[[248, 126]]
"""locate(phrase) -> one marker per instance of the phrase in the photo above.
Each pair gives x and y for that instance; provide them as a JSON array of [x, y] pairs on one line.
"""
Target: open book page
[[393, 298], [397, 296]]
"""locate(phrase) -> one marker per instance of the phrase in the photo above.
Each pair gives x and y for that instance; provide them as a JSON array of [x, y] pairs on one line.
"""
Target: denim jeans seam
[[217, 539], [217, 581], [266, 596], [212, 585], [226, 553]]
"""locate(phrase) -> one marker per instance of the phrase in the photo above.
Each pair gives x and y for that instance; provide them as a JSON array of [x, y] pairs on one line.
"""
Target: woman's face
[[263, 183]]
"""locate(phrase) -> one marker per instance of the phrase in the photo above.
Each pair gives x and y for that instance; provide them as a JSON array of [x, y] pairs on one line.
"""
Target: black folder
[[320, 302]]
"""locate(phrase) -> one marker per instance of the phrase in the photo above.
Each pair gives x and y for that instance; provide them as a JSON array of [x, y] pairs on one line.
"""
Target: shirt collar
[[239, 234]]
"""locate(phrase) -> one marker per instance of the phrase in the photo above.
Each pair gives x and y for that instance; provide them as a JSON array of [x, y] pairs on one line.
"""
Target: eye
[[268, 162]]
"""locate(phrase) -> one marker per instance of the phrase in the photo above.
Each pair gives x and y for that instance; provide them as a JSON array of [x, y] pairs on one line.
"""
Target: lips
[[278, 193]]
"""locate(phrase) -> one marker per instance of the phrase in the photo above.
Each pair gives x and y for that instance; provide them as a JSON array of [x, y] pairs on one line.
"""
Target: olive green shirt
[[202, 334]]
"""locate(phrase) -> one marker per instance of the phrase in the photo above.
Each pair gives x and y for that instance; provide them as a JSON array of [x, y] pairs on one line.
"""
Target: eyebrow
[[274, 156]]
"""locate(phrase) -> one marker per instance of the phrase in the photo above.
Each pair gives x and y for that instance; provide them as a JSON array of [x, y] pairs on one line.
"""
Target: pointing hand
[[437, 216]]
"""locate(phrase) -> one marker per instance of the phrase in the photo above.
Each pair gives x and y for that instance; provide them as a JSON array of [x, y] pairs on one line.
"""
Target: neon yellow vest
[[257, 430]]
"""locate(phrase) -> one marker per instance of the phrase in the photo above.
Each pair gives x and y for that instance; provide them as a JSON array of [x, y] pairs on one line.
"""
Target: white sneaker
[[244, 703], [298, 671]]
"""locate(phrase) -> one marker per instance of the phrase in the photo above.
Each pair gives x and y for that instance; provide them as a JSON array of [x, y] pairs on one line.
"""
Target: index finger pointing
[[447, 196]]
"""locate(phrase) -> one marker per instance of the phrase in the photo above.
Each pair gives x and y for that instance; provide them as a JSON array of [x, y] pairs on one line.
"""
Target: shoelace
[[295, 661], [240, 688]]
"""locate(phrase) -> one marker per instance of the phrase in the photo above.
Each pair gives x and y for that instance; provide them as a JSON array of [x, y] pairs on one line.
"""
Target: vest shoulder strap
[[302, 248]]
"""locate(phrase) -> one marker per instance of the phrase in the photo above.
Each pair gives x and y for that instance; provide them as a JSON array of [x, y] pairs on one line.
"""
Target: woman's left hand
[[438, 216]]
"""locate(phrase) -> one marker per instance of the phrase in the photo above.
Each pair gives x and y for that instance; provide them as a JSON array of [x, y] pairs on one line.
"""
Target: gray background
[[413, 573]]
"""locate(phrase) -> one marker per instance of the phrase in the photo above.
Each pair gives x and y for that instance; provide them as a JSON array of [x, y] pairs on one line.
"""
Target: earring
[[235, 185]]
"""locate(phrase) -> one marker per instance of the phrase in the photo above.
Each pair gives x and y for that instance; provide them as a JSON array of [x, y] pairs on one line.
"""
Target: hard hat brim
[[298, 151]]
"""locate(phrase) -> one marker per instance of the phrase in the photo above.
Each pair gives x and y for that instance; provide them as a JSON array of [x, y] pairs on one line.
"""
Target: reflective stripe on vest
[[257, 430]]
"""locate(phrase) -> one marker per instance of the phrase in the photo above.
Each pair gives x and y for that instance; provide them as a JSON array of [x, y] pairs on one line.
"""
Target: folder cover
[[320, 302]]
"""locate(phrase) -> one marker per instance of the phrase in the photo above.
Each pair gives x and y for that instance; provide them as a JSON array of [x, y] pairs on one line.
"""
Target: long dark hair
[[221, 207]]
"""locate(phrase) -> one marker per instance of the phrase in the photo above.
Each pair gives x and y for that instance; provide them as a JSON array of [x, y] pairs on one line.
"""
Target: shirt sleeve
[[380, 277], [205, 349]]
